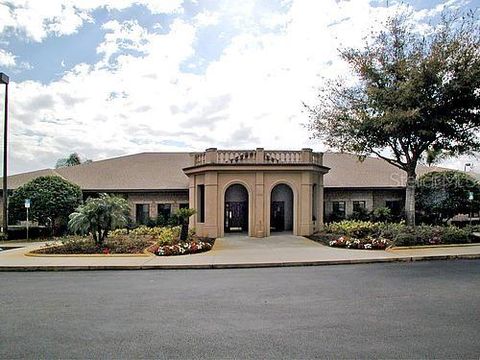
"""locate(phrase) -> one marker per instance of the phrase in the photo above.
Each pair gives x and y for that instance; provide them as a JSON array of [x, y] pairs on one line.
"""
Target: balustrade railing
[[258, 156]]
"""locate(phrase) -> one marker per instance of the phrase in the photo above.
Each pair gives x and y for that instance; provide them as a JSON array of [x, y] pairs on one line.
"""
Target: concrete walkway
[[232, 252]]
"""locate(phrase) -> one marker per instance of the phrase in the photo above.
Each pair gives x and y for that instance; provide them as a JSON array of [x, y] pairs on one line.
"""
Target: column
[[259, 211], [211, 205]]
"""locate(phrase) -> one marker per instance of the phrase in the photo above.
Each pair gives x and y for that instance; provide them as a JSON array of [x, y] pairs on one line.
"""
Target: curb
[[444, 246], [239, 265]]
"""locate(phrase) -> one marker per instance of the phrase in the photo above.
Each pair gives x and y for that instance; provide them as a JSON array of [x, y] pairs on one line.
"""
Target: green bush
[[162, 235], [361, 214], [406, 239], [382, 214], [455, 235], [399, 233], [392, 230], [353, 228]]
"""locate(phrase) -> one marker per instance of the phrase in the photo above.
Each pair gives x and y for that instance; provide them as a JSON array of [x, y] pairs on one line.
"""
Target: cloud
[[7, 59], [38, 19], [207, 18], [138, 97]]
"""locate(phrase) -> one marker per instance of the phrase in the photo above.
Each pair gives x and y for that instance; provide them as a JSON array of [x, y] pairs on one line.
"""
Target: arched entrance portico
[[281, 208], [236, 209]]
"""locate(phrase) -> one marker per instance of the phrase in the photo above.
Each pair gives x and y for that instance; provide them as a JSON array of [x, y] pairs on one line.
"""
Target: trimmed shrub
[[353, 228]]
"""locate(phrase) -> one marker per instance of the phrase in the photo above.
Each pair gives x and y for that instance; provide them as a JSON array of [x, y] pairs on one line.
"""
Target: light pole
[[5, 80]]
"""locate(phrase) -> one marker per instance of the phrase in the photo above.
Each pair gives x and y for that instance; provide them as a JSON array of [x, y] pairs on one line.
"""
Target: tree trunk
[[184, 231], [410, 199]]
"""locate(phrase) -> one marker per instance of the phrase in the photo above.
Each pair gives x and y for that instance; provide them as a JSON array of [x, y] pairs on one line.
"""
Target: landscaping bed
[[355, 234], [163, 241]]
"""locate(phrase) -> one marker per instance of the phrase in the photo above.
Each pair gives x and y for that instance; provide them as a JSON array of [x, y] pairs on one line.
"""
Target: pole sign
[[27, 203], [470, 195]]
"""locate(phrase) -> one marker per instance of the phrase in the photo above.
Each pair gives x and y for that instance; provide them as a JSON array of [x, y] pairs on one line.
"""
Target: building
[[252, 191]]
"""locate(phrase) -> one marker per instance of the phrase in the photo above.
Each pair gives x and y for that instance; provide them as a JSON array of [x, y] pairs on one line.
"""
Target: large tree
[[52, 200], [412, 93], [441, 195]]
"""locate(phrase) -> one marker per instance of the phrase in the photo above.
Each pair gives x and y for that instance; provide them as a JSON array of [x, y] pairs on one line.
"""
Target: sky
[[105, 78]]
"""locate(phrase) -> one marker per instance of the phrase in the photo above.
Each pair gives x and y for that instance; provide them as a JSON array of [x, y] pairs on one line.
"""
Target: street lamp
[[5, 80]]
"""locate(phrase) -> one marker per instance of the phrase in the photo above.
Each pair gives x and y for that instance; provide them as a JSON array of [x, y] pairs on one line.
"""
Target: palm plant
[[100, 215], [183, 215]]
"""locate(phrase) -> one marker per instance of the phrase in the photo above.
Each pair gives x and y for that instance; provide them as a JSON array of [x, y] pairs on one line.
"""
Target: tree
[[442, 195], [52, 199], [413, 94], [100, 215], [71, 160], [183, 215]]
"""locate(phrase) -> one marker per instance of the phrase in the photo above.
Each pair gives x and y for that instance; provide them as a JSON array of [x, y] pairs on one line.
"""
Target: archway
[[281, 208], [236, 209]]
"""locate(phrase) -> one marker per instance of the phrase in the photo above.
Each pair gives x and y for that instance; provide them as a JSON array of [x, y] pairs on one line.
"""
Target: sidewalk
[[232, 252]]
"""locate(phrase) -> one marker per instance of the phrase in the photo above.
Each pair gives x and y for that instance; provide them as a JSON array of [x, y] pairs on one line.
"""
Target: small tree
[[183, 215], [442, 195], [415, 96], [100, 215], [52, 199], [71, 160]]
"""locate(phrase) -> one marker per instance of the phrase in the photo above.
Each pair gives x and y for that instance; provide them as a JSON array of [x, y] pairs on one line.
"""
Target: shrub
[[382, 214], [118, 232], [162, 235], [406, 239], [455, 235], [354, 228], [391, 230], [361, 214]]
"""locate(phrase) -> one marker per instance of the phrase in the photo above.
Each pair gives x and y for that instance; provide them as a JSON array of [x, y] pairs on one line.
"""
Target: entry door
[[277, 216], [236, 216]]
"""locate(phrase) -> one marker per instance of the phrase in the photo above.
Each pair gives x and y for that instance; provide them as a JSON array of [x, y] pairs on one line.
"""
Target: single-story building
[[253, 191]]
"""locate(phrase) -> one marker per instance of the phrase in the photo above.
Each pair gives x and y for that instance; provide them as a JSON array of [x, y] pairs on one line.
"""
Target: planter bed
[[194, 246], [354, 234], [86, 246]]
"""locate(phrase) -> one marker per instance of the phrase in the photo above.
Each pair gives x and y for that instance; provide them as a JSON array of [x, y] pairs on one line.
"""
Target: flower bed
[[183, 248], [354, 234], [73, 245], [163, 241], [368, 243]]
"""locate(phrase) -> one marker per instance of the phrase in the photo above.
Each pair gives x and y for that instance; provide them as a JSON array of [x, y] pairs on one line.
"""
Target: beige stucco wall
[[175, 198], [259, 185], [373, 198]]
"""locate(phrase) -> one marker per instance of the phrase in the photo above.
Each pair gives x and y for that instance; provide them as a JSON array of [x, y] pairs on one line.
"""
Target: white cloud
[[207, 18], [39, 19], [250, 96], [7, 59]]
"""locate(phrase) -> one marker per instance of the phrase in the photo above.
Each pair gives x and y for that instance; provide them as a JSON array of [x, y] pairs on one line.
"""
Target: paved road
[[396, 310]]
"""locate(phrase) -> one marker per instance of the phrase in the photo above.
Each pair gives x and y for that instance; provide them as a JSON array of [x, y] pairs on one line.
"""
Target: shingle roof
[[163, 171], [347, 171]]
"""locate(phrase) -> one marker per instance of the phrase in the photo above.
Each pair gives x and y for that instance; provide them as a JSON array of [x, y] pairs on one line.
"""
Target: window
[[395, 206], [142, 213], [164, 210], [314, 202], [201, 203], [359, 206], [339, 208], [183, 206]]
